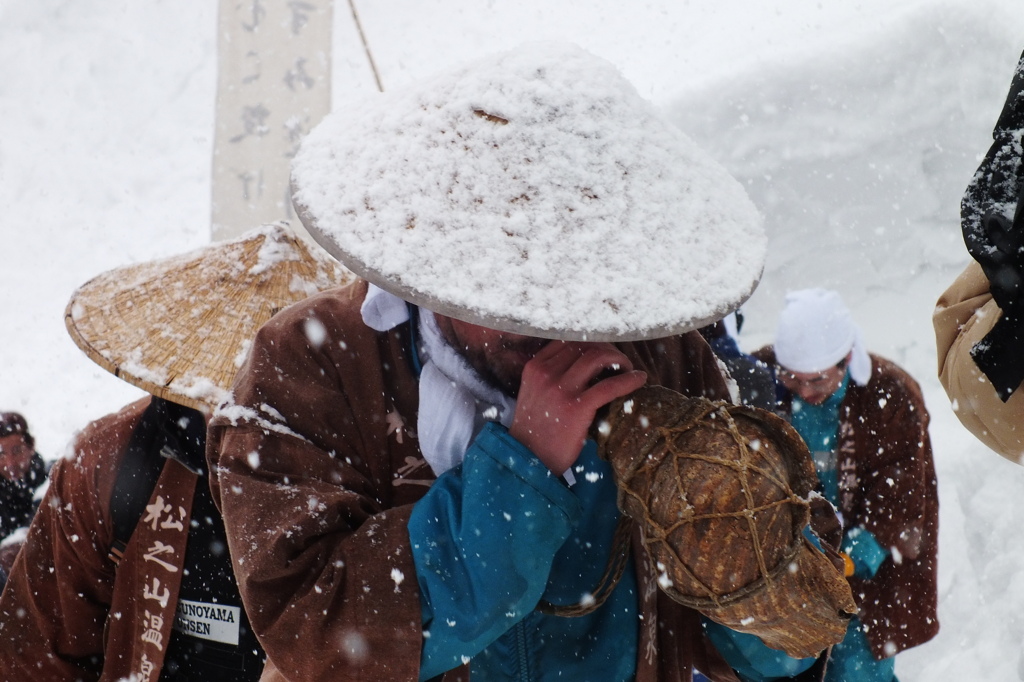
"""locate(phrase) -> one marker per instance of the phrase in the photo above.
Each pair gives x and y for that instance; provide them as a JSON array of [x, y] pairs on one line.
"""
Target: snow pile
[[108, 113], [858, 155], [536, 192]]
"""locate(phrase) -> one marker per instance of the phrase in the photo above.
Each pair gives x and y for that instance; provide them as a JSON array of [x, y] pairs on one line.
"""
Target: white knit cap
[[816, 331]]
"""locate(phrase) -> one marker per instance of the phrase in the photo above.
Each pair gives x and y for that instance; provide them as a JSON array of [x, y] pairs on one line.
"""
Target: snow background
[[855, 127]]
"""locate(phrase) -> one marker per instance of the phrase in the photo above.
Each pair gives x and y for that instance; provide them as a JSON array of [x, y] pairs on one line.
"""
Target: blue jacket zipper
[[523, 674]]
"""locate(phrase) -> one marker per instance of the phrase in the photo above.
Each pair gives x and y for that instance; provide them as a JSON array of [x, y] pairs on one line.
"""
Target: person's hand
[[559, 397]]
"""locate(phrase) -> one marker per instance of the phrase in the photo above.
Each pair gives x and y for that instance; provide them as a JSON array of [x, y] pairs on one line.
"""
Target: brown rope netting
[[720, 493], [617, 561]]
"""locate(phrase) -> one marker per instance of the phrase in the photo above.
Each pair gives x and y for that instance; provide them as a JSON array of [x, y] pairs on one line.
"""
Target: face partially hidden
[[499, 357], [15, 456], [814, 387]]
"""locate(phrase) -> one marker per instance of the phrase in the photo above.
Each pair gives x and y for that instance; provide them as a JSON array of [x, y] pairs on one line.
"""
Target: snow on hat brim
[[534, 192], [179, 328], [816, 331]]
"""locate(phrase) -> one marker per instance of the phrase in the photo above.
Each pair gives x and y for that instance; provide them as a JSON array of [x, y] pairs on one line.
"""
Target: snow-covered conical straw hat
[[535, 192], [180, 327]]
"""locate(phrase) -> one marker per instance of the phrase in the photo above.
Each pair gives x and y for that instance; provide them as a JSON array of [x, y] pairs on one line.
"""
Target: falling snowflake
[[398, 577]]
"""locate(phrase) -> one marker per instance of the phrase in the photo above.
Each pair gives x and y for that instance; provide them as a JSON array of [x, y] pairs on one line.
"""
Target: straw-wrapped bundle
[[720, 493]]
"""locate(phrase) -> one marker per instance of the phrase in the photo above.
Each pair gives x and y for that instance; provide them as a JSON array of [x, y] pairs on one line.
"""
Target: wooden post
[[273, 86]]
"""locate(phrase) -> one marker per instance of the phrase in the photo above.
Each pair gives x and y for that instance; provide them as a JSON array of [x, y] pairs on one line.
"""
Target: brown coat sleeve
[[893, 453], [56, 601], [893, 493], [682, 363], [964, 314], [316, 528]]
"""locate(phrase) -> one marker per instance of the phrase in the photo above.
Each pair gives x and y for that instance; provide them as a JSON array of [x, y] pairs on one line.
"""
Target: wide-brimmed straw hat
[[534, 192], [180, 327]]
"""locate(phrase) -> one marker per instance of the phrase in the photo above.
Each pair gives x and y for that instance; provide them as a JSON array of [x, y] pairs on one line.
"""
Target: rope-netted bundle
[[720, 493]]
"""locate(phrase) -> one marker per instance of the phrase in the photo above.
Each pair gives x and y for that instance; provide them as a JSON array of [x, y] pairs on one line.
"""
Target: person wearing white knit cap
[[816, 341], [865, 421]]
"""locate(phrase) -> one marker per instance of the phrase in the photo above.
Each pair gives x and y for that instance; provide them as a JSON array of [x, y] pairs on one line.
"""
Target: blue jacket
[[483, 567], [482, 572]]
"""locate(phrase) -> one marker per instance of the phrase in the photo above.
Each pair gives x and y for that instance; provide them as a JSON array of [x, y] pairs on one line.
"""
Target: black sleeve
[[992, 220]]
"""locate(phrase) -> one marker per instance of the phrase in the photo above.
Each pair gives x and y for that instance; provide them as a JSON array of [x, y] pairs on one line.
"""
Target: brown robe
[[316, 469], [887, 485], [67, 612]]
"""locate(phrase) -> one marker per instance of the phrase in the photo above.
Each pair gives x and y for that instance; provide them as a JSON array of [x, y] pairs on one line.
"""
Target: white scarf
[[455, 402]]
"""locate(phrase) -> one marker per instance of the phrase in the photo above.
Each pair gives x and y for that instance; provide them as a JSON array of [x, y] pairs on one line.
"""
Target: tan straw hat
[[180, 327], [534, 192]]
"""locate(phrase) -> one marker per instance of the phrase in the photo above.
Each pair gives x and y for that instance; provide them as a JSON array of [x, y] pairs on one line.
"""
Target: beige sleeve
[[963, 315]]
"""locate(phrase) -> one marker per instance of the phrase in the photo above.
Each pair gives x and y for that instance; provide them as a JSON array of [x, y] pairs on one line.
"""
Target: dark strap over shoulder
[[166, 431]]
